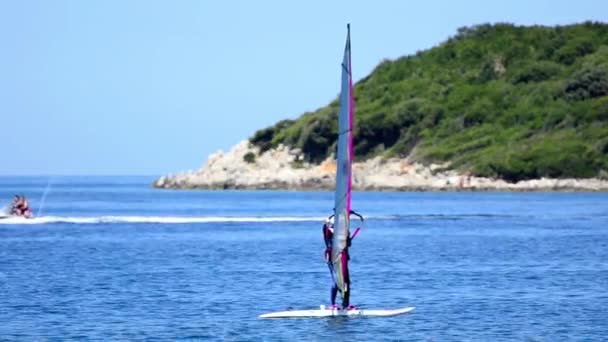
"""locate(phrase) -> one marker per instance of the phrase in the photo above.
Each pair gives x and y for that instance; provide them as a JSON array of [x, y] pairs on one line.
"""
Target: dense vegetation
[[495, 100]]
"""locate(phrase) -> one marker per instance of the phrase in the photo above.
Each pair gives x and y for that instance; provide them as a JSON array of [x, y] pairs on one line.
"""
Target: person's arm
[[326, 236]]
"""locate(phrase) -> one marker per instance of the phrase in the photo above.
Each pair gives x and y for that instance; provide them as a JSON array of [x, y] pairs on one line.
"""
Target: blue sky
[[152, 87]]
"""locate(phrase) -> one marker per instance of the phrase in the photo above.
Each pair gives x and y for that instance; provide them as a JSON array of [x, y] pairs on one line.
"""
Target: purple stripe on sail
[[345, 276]]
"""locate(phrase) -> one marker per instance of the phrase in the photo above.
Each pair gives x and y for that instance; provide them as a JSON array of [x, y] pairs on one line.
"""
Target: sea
[[111, 258]]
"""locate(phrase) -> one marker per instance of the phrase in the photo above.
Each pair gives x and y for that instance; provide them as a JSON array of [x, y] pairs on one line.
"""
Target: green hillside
[[495, 100]]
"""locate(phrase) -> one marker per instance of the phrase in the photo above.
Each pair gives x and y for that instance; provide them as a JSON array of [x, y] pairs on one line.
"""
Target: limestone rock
[[283, 168]]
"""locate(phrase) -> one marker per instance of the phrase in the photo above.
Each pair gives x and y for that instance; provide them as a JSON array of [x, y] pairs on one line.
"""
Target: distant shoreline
[[195, 187], [282, 169], [446, 190]]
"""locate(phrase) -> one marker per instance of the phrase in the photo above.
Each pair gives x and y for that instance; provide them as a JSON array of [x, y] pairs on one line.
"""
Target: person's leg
[[334, 288], [346, 274], [334, 292], [346, 299]]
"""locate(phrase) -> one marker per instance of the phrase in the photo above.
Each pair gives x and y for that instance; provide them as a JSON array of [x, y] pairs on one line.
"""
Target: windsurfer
[[328, 234]]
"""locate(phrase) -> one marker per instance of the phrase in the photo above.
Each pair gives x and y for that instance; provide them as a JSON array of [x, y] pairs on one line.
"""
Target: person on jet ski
[[21, 207]]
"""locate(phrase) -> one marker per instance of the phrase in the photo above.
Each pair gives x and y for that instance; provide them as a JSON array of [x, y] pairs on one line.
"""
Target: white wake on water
[[153, 219]]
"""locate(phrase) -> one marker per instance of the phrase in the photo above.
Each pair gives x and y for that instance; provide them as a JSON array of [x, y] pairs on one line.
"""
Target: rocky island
[[496, 107]]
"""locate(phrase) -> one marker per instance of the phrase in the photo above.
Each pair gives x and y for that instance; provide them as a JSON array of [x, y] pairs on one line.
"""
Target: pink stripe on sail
[[345, 276]]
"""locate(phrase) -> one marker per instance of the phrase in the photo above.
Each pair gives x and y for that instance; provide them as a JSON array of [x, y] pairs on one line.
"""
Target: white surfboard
[[323, 312]]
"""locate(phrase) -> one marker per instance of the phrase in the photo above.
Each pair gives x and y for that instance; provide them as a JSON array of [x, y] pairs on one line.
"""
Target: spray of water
[[151, 219], [46, 191]]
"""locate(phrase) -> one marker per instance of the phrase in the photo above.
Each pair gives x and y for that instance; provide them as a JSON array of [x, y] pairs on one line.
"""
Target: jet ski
[[11, 211]]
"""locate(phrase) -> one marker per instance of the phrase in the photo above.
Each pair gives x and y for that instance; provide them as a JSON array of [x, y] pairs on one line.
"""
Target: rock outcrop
[[283, 168]]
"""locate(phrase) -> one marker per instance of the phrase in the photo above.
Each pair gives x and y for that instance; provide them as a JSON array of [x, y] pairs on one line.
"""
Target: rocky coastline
[[243, 167]]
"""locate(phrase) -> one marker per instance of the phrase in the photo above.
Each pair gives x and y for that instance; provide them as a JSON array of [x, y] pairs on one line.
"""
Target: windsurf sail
[[344, 158]]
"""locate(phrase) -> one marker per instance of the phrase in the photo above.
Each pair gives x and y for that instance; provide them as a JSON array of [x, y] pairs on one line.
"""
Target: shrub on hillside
[[249, 157], [588, 84], [536, 72]]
